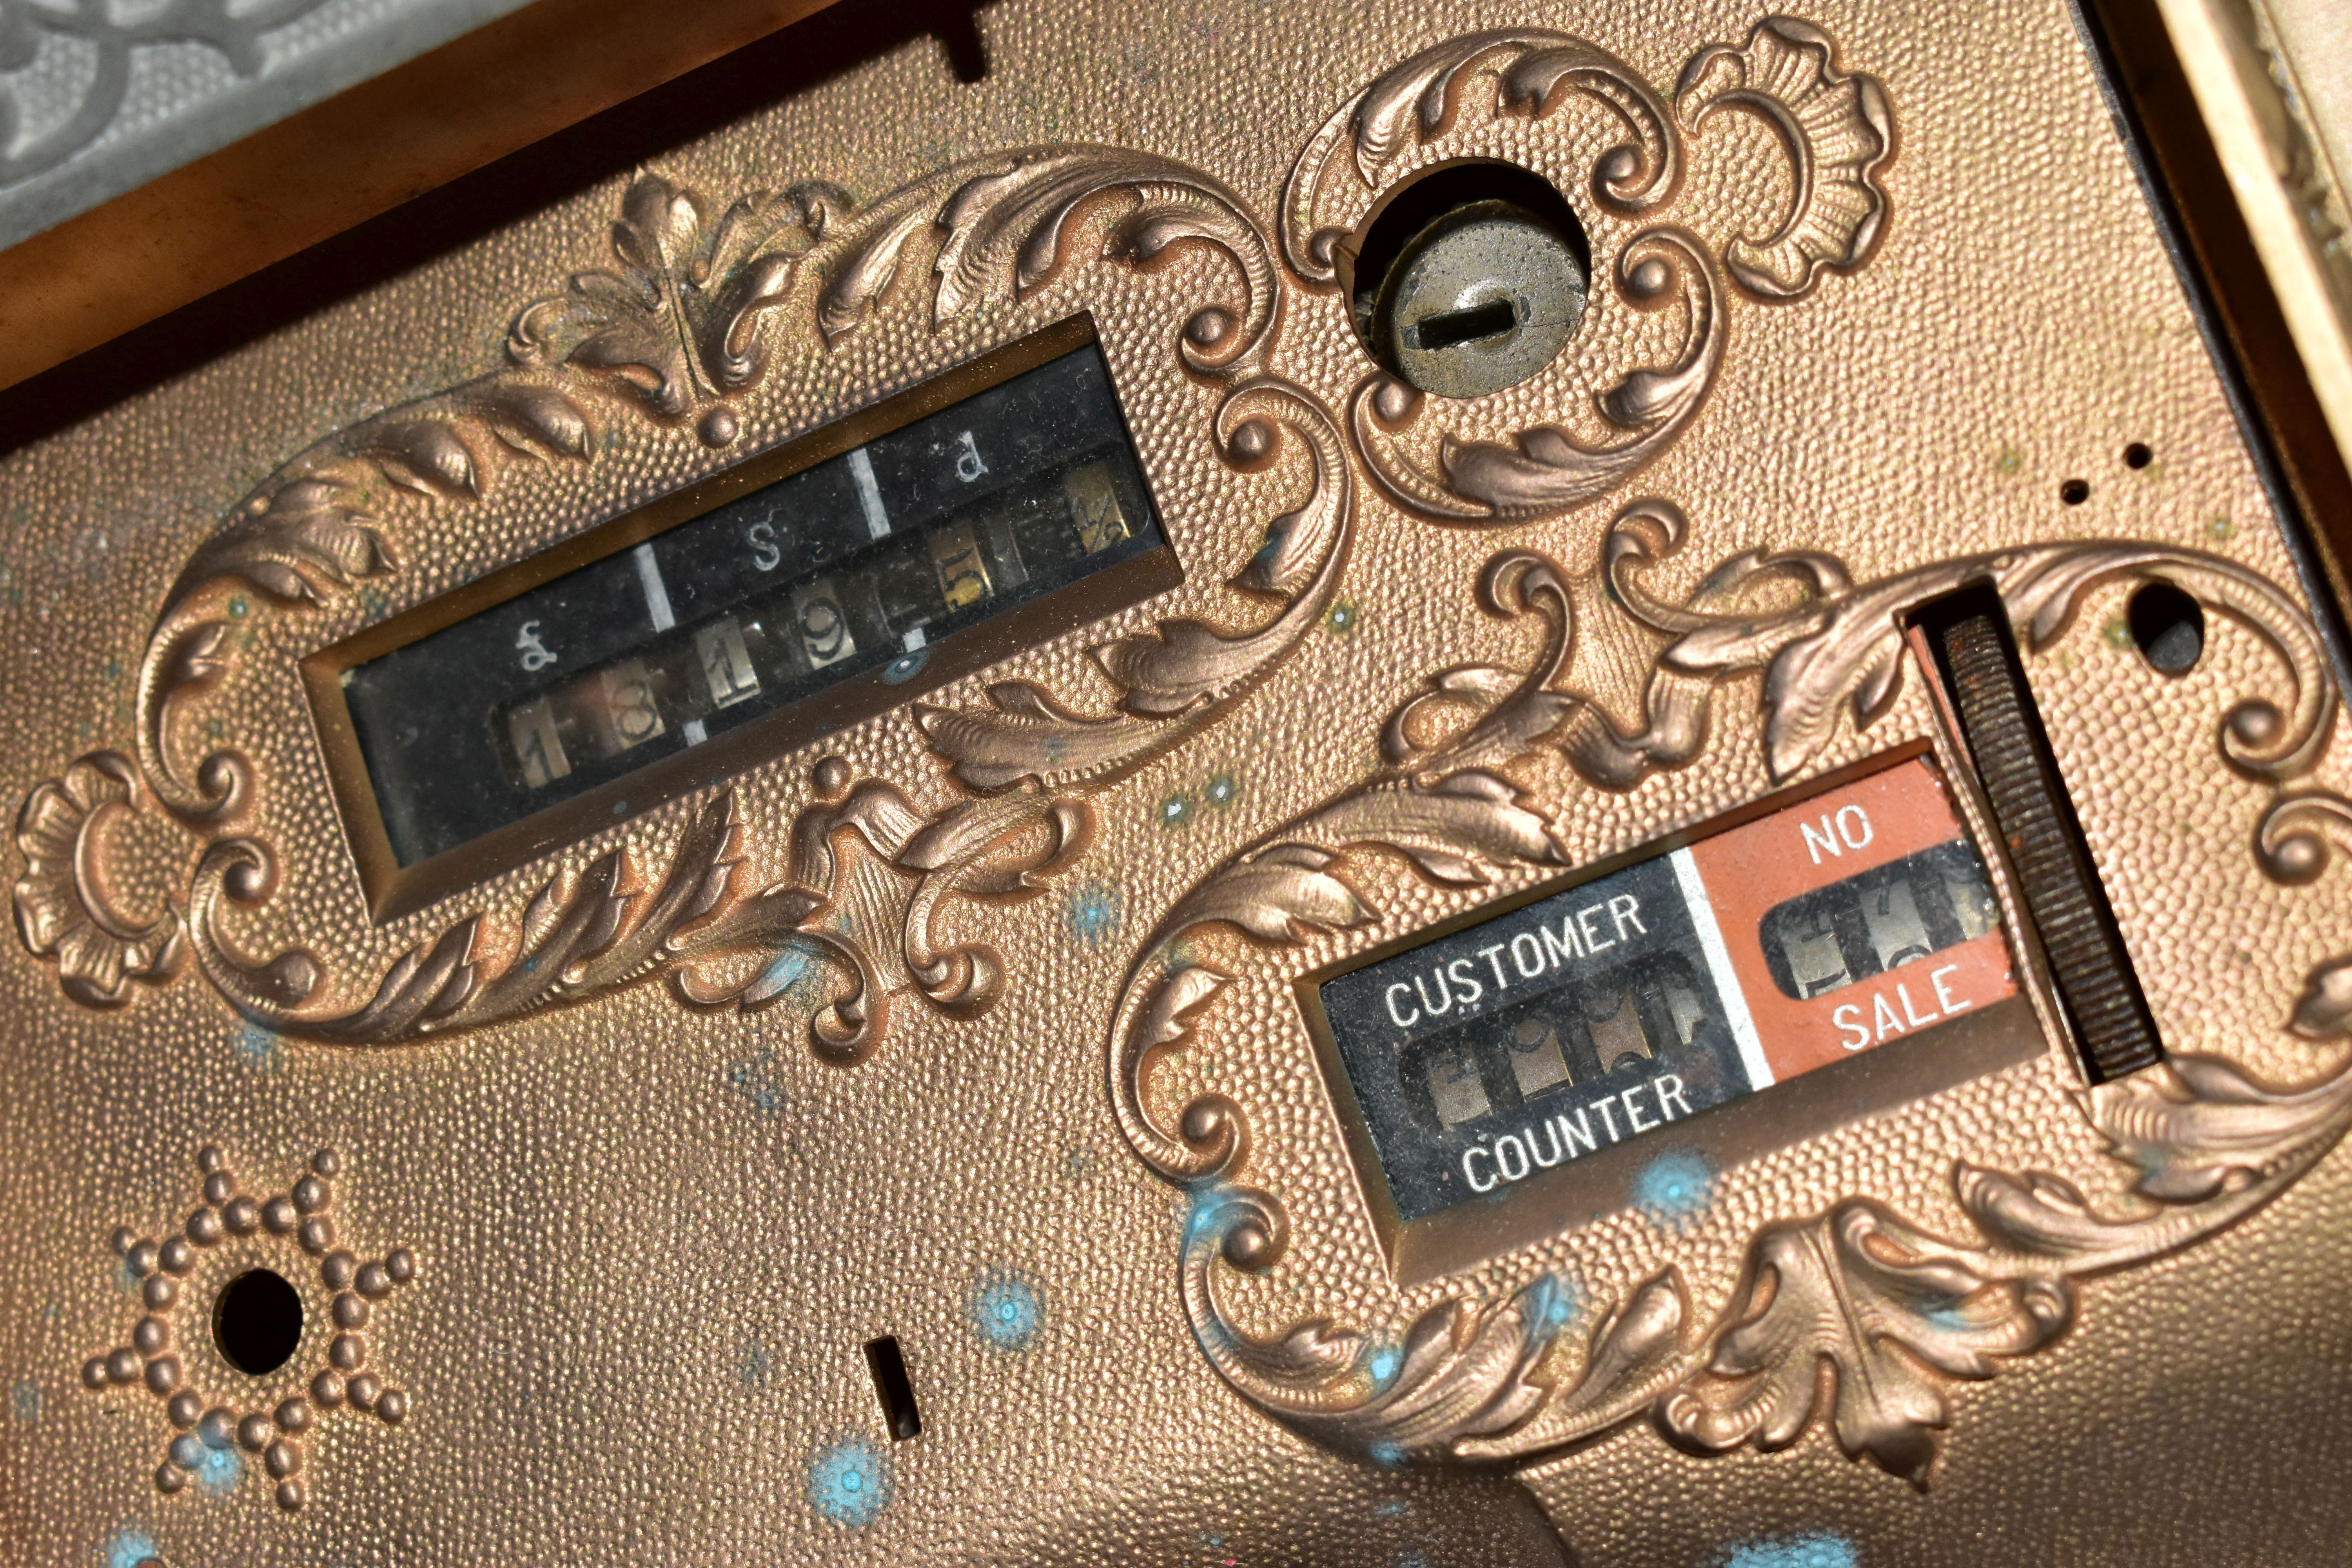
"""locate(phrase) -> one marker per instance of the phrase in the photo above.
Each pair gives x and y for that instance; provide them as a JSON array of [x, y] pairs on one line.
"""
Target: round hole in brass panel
[[1469, 278], [257, 1321]]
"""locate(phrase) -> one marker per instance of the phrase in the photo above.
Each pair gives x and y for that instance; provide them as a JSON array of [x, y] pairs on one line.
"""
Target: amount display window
[[1625, 1015], [839, 577], [1922, 905]]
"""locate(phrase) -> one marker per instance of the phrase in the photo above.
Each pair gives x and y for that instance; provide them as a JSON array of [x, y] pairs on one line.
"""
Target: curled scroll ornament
[[686, 321], [1419, 102], [1894, 1310], [2295, 841], [1835, 130]]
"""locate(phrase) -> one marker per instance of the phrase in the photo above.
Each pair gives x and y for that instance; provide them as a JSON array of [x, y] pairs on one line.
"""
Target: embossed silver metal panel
[[97, 96]]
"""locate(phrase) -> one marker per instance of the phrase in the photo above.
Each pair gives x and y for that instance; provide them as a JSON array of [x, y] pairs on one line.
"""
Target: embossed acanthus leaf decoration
[[678, 323], [1831, 652], [1854, 1317], [1875, 1299], [1419, 102], [872, 874]]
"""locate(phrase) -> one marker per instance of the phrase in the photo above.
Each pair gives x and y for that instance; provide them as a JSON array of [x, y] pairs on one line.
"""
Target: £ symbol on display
[[536, 655]]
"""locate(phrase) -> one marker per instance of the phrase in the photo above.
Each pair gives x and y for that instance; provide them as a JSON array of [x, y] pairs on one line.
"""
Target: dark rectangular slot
[[891, 1385], [1490, 320], [1968, 635]]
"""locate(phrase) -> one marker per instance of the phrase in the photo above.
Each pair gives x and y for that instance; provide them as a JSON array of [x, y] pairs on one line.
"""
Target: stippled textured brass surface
[[974, 1024]]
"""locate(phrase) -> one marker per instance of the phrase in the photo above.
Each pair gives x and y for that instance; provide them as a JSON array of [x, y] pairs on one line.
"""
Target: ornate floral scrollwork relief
[[1835, 128], [871, 872], [1536, 71], [1892, 1310], [689, 318]]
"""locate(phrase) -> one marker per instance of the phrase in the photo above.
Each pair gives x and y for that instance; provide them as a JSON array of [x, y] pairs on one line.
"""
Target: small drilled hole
[[891, 1385], [2170, 627], [2138, 456], [2074, 492], [257, 1321]]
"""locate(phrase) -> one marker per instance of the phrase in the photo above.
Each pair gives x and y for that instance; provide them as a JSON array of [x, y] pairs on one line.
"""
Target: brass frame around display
[[393, 891], [1460, 1238]]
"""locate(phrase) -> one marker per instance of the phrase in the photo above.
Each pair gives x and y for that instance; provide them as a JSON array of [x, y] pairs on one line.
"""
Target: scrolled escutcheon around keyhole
[[1468, 279]]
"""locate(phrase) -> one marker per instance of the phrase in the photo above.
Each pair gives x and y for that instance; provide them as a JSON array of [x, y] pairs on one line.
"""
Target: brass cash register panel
[[1367, 786]]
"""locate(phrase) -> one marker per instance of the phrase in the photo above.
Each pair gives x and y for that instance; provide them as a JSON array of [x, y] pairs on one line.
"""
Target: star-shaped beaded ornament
[[252, 1302]]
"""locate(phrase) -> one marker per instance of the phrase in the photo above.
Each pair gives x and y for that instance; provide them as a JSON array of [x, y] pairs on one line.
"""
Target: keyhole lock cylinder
[[1471, 280]]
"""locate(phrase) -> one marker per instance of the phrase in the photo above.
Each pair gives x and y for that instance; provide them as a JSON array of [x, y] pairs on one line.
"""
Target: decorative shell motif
[[66, 903], [1837, 132]]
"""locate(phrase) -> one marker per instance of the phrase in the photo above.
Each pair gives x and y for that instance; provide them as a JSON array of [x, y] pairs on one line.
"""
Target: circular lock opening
[[2168, 625], [1468, 277], [257, 1321]]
